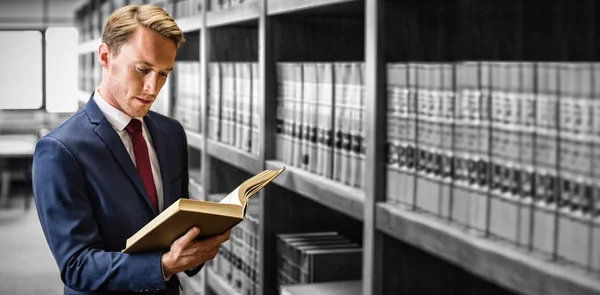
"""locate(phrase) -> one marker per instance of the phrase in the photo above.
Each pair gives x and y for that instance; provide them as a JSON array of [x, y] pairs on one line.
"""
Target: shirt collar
[[115, 117]]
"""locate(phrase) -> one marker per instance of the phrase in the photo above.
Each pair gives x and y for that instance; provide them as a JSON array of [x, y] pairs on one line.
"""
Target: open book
[[212, 218]]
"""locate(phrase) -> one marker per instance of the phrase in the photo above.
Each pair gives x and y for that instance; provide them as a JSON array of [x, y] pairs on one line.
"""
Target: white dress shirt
[[119, 121]]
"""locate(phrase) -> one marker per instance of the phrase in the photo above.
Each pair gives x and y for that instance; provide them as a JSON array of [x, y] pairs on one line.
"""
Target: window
[[61, 69], [21, 70]]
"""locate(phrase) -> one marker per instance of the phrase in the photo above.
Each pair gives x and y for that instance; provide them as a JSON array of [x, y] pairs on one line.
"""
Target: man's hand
[[186, 253]]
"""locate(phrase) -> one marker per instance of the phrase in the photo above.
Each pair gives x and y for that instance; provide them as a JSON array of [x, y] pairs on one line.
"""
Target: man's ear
[[104, 55]]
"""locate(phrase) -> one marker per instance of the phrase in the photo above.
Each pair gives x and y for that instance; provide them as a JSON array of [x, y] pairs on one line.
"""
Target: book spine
[[239, 98], [357, 121], [445, 160], [528, 103], [282, 121], [575, 152], [297, 124], [256, 110], [594, 263], [460, 191], [427, 188], [394, 128], [339, 113], [411, 137], [546, 132]]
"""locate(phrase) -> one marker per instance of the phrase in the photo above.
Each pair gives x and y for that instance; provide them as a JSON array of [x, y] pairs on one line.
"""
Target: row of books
[[234, 104], [316, 257], [321, 119], [508, 149], [226, 4], [90, 72], [237, 261], [186, 96], [179, 8], [91, 18]]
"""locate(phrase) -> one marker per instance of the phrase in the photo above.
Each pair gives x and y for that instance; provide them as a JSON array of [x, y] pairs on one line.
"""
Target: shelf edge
[[236, 14], [233, 156], [90, 46], [347, 200], [289, 6], [194, 139], [500, 263]]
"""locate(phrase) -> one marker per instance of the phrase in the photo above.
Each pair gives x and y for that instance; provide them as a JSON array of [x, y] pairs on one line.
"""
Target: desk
[[17, 147]]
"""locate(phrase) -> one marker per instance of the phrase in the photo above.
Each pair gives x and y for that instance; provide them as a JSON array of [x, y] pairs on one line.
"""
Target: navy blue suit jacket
[[90, 199]]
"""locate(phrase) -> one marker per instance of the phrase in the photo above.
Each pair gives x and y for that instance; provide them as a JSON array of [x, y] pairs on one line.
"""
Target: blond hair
[[124, 21]]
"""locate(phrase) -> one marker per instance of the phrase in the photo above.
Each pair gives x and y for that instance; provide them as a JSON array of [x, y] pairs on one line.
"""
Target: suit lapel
[[111, 139], [161, 152]]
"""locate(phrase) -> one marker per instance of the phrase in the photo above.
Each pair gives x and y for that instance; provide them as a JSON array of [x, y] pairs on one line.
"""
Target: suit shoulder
[[73, 125]]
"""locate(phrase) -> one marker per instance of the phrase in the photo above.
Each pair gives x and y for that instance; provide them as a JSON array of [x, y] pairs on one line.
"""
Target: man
[[114, 165]]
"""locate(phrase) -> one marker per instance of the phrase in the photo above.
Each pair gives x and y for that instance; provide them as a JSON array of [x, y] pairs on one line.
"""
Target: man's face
[[138, 72]]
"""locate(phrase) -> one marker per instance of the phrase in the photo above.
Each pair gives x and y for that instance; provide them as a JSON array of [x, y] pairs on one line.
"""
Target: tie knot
[[134, 127]]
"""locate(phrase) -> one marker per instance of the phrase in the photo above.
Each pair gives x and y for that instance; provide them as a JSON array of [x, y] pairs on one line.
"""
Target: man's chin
[[139, 112]]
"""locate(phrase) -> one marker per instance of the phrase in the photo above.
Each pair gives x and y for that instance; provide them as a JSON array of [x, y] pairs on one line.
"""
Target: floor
[[26, 264]]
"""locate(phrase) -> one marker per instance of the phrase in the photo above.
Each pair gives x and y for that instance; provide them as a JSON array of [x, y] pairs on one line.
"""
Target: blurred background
[[431, 146]]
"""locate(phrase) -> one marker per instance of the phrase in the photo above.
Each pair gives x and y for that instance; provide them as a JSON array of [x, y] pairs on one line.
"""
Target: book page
[[232, 198]]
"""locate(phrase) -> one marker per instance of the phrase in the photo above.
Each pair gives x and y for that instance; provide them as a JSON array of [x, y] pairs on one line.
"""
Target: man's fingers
[[189, 237], [211, 243]]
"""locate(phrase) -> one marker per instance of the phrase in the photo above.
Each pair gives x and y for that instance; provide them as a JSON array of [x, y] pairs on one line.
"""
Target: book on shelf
[[329, 288], [211, 217]]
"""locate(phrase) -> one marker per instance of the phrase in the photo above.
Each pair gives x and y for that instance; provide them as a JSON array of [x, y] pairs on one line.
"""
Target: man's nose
[[151, 84]]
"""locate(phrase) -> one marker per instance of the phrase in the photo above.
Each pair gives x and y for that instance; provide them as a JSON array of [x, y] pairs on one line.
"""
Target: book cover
[[212, 218]]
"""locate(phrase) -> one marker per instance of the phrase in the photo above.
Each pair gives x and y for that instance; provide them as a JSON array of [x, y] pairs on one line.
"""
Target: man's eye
[[164, 74], [143, 70]]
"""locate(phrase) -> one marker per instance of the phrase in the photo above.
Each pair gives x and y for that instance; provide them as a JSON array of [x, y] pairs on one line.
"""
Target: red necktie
[[142, 159]]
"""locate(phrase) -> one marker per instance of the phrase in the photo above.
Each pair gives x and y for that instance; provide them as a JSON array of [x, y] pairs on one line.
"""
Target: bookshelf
[[89, 46], [195, 139], [499, 262], [242, 13], [234, 156], [374, 33], [336, 196], [218, 285]]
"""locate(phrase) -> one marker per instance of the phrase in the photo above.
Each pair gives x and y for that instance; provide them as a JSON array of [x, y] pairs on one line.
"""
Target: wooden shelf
[[190, 24], [325, 288], [234, 156], [498, 262], [218, 285], [196, 190], [289, 6], [194, 139], [343, 198], [90, 46], [239, 14]]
